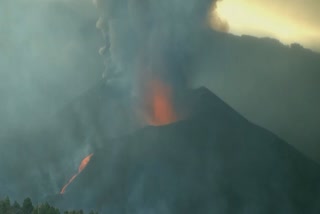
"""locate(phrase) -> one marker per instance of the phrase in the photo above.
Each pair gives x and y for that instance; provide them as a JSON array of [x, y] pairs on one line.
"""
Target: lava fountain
[[159, 104], [157, 109]]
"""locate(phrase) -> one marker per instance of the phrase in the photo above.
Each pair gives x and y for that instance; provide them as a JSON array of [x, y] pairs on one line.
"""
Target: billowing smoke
[[151, 36]]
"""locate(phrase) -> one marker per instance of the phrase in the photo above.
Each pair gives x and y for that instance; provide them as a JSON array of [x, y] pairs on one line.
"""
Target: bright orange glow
[[160, 106], [271, 19], [84, 162], [69, 182], [83, 165]]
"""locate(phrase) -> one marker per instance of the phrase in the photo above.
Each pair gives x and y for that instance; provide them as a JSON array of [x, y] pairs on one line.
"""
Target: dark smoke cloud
[[158, 36]]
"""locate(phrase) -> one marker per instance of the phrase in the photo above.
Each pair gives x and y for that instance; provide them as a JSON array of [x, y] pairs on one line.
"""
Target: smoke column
[[160, 36]]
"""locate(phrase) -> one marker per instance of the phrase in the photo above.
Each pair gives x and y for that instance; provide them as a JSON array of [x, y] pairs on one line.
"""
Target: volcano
[[213, 161]]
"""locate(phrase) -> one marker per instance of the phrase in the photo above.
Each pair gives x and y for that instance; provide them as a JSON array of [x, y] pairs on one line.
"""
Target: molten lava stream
[[159, 101], [83, 165]]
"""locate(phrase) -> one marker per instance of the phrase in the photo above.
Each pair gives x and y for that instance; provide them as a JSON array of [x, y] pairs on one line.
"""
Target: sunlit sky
[[287, 20]]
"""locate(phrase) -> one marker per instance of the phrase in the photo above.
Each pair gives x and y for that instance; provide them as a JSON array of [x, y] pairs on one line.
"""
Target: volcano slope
[[213, 162]]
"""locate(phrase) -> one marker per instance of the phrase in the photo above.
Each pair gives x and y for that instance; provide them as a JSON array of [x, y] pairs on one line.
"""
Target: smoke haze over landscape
[[49, 58]]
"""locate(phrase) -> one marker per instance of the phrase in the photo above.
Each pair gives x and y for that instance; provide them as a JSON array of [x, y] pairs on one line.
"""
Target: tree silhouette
[[45, 209], [16, 205], [5, 205], [27, 206]]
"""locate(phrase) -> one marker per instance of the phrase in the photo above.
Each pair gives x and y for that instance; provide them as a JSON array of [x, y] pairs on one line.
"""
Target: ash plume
[[163, 38]]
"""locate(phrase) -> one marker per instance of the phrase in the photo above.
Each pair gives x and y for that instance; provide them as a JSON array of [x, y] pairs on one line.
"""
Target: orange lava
[[83, 165], [84, 162], [160, 105]]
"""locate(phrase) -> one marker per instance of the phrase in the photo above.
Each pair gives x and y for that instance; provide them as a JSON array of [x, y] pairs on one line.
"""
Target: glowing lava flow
[[83, 165], [160, 106]]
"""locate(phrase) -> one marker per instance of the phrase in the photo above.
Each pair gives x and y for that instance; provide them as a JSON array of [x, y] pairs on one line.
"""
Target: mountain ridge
[[217, 162]]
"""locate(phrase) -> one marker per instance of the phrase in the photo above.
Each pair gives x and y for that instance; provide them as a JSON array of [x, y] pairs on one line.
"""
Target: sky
[[289, 21]]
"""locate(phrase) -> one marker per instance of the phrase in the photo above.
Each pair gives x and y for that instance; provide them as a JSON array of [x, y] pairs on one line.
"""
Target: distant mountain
[[215, 161], [270, 83]]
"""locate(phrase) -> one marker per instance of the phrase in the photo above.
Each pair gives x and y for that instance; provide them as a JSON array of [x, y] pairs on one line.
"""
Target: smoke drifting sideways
[[45, 62]]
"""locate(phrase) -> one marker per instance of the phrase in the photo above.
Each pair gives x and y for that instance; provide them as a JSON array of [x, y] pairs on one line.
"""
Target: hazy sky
[[287, 20]]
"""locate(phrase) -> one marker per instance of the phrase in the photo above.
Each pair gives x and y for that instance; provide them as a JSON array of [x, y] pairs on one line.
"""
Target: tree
[[5, 205], [27, 206], [46, 209], [16, 205]]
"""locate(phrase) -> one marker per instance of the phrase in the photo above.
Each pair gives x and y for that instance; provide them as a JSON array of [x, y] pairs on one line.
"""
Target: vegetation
[[6, 207]]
